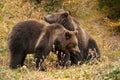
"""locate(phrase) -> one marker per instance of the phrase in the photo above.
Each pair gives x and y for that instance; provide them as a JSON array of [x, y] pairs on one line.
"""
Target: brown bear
[[87, 45], [33, 37]]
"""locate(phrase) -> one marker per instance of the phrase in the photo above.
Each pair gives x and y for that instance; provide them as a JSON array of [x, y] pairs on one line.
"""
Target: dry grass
[[13, 11]]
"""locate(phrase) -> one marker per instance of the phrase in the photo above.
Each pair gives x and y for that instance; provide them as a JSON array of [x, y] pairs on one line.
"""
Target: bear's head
[[58, 17], [68, 42], [62, 17]]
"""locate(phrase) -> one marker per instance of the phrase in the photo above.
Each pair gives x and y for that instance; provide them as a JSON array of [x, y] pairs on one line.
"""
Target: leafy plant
[[111, 8]]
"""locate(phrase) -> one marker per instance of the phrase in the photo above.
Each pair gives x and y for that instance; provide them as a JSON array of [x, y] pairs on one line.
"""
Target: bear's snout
[[49, 18], [77, 50]]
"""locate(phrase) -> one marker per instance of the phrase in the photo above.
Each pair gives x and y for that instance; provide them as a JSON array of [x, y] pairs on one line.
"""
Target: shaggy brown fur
[[87, 45], [33, 37]]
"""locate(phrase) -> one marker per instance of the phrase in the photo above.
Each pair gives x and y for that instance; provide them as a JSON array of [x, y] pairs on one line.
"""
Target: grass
[[13, 11]]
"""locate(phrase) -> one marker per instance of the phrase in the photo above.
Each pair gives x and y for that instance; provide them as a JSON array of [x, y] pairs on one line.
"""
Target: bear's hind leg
[[17, 60], [23, 58], [93, 50]]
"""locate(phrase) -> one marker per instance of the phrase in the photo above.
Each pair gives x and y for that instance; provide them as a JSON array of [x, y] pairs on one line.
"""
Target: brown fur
[[33, 37], [85, 42]]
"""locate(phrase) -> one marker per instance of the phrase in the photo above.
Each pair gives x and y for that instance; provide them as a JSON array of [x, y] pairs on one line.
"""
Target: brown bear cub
[[33, 37], [88, 47]]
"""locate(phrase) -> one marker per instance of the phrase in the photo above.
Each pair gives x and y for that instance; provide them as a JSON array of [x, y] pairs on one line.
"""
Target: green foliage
[[76, 8], [118, 52], [113, 75], [111, 8], [48, 5], [52, 5]]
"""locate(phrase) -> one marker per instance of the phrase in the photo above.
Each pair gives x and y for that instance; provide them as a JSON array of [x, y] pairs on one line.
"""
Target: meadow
[[90, 18]]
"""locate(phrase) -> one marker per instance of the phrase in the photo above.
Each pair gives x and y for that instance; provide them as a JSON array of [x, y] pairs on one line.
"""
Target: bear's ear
[[65, 14], [76, 32], [67, 35]]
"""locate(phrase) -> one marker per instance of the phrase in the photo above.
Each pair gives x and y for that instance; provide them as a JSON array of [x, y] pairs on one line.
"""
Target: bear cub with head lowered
[[89, 49], [33, 37]]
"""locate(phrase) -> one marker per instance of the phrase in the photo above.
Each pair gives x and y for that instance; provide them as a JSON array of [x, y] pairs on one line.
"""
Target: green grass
[[13, 11]]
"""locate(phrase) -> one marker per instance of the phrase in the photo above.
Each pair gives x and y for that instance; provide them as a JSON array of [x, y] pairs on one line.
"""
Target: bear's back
[[28, 28], [25, 33]]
